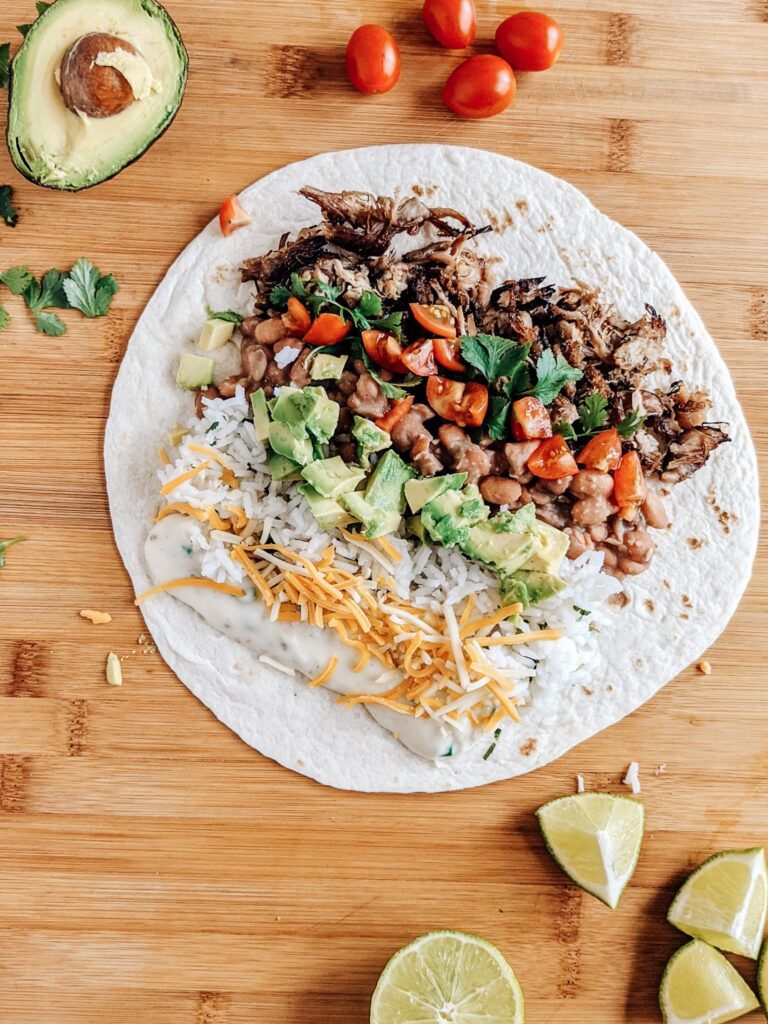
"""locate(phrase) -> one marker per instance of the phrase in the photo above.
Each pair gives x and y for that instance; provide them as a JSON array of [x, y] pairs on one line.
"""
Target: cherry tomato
[[553, 459], [480, 86], [373, 60], [297, 319], [603, 452], [398, 412], [530, 41], [385, 350], [629, 487], [420, 358], [464, 404], [453, 23], [232, 216], [438, 320], [530, 420], [327, 329], [447, 353]]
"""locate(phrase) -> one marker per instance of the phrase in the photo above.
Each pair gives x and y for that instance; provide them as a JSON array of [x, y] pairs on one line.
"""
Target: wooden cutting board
[[152, 867]]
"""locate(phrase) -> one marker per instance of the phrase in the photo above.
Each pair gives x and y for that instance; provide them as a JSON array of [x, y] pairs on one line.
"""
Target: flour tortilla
[[678, 607]]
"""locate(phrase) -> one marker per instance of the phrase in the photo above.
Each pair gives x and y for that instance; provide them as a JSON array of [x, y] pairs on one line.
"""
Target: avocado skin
[[153, 8]]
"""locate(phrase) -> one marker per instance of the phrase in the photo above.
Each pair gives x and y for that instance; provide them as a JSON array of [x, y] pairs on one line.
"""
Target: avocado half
[[55, 147]]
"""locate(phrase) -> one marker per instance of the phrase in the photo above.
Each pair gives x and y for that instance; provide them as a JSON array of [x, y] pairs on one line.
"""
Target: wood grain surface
[[152, 867]]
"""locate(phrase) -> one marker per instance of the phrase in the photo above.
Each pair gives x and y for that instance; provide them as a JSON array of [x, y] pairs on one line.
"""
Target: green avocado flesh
[[58, 148]]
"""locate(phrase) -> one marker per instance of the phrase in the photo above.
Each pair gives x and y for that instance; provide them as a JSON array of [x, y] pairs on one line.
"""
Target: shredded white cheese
[[580, 787], [286, 356], [632, 778]]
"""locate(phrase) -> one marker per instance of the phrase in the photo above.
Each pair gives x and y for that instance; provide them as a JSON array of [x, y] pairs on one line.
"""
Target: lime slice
[[700, 987], [448, 978], [762, 977], [724, 902], [596, 839]]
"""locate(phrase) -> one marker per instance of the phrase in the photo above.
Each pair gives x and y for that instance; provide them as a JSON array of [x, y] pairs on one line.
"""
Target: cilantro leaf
[[552, 374], [5, 65], [369, 305], [392, 323], [53, 291], [4, 319], [492, 747], [279, 296], [87, 290], [50, 324], [226, 314], [8, 212], [631, 423], [498, 417], [593, 414], [5, 544], [495, 357], [565, 429], [17, 279], [42, 7]]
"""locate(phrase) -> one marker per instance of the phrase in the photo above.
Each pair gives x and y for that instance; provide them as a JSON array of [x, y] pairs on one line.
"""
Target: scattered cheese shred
[[97, 618], [389, 549], [326, 674], [519, 638], [211, 453], [181, 508], [491, 620], [191, 581], [179, 480], [161, 454]]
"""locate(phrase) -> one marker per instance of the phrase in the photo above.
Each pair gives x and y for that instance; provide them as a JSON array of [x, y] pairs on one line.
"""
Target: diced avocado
[[324, 416], [419, 493], [332, 477], [415, 527], [473, 508], [549, 550], [449, 518], [215, 334], [194, 372], [306, 410], [376, 521], [327, 511], [292, 408], [93, 86], [260, 414], [528, 587], [386, 487], [507, 551], [283, 442], [282, 468], [327, 367], [370, 439], [177, 434], [522, 521]]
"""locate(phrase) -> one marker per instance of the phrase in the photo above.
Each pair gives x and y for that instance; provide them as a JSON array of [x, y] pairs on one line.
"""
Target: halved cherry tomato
[[530, 41], [327, 329], [447, 354], [629, 487], [438, 320], [373, 60], [420, 358], [385, 350], [553, 459], [530, 420], [481, 86], [297, 319], [453, 23], [464, 404], [232, 216], [603, 452], [399, 411]]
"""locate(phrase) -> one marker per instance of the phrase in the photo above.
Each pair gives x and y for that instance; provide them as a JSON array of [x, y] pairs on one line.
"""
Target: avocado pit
[[90, 82]]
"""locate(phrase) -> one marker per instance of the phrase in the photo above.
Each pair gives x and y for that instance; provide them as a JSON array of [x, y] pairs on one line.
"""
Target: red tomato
[[603, 452], [327, 329], [464, 404], [553, 459], [480, 86], [629, 487], [435, 319], [447, 353], [398, 412], [232, 216], [453, 23], [530, 41], [530, 420], [385, 350], [297, 319], [420, 358], [373, 60]]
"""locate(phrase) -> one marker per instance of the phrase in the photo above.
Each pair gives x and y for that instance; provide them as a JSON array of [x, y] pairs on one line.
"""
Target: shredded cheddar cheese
[[179, 480], [326, 674], [191, 581]]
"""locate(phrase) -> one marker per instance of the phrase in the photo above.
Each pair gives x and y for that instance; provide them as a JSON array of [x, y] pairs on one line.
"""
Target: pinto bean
[[654, 511], [423, 455], [299, 375], [630, 568], [591, 511], [638, 545], [254, 359], [276, 376], [467, 457], [368, 399], [249, 325], [347, 382], [208, 393], [589, 483], [554, 515], [228, 387], [270, 331], [517, 455], [611, 559], [559, 486], [500, 490], [579, 542], [598, 532]]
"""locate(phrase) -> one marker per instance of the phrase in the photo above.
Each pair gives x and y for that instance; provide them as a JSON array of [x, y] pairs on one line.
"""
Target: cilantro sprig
[[5, 544], [229, 315], [42, 7], [8, 212], [87, 290], [83, 288], [320, 297], [631, 423]]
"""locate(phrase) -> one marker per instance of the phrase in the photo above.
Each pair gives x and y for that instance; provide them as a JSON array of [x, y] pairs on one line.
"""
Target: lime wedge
[[724, 902], [700, 987], [448, 978], [596, 839], [762, 977]]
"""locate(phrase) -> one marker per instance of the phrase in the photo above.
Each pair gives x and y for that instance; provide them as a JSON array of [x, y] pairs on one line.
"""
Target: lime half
[[762, 977], [700, 987], [596, 839], [448, 978], [724, 902]]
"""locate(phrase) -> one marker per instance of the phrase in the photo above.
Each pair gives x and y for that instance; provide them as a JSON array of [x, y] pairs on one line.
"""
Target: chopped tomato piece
[[385, 350], [629, 487], [448, 354], [420, 358], [530, 420], [297, 319], [553, 459], [438, 320], [328, 329], [399, 410], [603, 452], [464, 404], [232, 216]]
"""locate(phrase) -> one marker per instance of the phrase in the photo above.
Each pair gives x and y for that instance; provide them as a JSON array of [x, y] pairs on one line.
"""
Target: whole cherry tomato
[[530, 41], [385, 350], [232, 216], [530, 420], [464, 404], [552, 459], [373, 59], [420, 358], [603, 452], [438, 320], [481, 86], [629, 487], [328, 329], [453, 23], [448, 354], [297, 319]]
